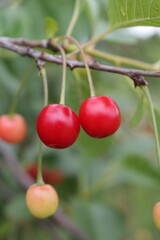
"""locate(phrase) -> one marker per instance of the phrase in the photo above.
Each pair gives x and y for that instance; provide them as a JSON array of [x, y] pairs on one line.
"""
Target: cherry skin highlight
[[41, 200], [58, 126], [99, 116], [12, 129]]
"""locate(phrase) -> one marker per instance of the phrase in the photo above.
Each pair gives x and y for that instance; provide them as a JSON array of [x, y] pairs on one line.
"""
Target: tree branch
[[26, 47]]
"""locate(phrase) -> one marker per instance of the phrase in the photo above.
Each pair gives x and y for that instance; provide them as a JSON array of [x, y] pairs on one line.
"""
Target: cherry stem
[[63, 86], [93, 41], [43, 75], [20, 89], [74, 17], [39, 172], [150, 103], [91, 86]]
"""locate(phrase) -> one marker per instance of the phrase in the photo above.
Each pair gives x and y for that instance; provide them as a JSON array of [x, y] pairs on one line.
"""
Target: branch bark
[[26, 47]]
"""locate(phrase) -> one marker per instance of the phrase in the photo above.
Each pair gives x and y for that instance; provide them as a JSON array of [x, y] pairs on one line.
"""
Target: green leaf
[[157, 114], [16, 209], [140, 170], [5, 225], [128, 13], [138, 113], [93, 147], [98, 220], [51, 27], [93, 10]]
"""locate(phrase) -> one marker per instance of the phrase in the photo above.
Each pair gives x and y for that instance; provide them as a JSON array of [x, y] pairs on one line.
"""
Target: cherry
[[32, 171], [58, 126], [41, 200], [156, 214], [51, 176], [12, 129], [54, 176], [99, 116]]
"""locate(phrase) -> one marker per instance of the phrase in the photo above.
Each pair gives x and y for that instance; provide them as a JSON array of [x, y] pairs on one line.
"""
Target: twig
[[5, 192], [63, 221], [9, 156], [50, 228], [25, 47]]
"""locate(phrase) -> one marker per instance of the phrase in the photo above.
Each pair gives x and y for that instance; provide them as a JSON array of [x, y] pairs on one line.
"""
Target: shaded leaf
[[51, 27], [128, 13], [157, 114], [16, 209], [99, 220], [139, 168], [5, 225], [92, 146]]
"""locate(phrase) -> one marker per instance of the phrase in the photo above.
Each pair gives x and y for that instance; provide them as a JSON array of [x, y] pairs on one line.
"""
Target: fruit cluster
[[58, 125]]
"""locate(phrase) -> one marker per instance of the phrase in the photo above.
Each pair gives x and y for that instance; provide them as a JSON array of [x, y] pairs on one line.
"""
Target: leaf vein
[[129, 13]]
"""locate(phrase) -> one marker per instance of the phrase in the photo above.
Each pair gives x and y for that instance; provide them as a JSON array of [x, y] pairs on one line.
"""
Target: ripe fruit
[[51, 176], [12, 129], [41, 200], [156, 214], [99, 116], [58, 126]]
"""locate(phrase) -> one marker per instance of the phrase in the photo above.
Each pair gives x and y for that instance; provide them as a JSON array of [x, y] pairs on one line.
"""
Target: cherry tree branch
[[26, 47]]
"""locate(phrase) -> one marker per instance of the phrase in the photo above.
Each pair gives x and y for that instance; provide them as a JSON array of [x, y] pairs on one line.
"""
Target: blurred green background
[[110, 185]]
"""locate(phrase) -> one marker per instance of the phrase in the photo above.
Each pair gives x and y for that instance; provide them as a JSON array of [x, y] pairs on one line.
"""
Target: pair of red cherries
[[58, 126]]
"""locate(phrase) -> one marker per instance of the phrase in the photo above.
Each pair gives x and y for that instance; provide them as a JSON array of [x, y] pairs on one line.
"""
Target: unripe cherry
[[12, 129], [41, 200], [156, 214]]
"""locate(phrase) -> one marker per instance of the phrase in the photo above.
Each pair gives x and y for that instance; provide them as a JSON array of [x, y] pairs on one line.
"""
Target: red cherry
[[58, 126], [41, 200], [99, 116], [51, 176], [32, 171], [12, 129]]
